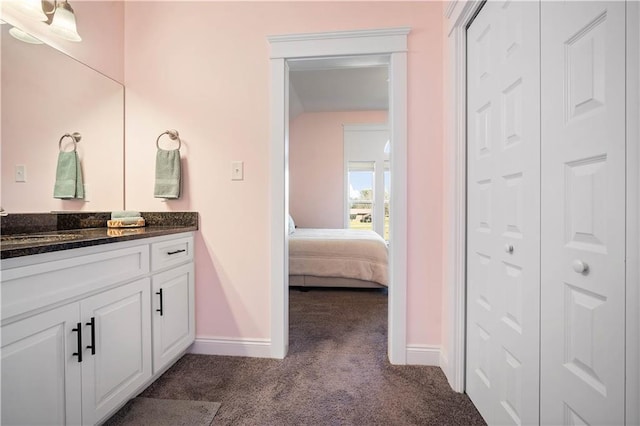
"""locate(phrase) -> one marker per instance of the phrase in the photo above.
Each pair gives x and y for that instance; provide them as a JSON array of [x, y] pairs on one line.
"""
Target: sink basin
[[37, 238]]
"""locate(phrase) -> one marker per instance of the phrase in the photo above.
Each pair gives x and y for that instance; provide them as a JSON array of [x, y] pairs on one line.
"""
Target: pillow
[[292, 225]]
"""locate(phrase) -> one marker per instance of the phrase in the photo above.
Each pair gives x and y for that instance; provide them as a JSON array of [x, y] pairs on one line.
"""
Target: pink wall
[[203, 68], [316, 165], [101, 26]]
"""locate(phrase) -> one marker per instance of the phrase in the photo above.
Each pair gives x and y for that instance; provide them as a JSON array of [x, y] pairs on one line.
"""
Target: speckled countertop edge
[[78, 225]]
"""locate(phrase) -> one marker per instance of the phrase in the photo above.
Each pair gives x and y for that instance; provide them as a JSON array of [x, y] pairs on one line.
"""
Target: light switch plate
[[237, 170], [21, 173]]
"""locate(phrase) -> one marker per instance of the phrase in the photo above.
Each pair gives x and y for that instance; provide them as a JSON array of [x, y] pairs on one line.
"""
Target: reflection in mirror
[[46, 94]]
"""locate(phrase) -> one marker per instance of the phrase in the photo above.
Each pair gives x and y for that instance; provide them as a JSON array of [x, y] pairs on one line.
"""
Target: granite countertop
[[27, 234]]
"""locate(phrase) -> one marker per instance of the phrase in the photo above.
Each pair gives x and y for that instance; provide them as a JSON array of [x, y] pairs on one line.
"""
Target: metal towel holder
[[173, 135], [76, 138]]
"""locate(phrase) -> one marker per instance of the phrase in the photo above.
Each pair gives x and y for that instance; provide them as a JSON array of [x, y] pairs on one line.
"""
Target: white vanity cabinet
[[173, 314], [82, 331], [117, 352], [40, 376], [173, 300]]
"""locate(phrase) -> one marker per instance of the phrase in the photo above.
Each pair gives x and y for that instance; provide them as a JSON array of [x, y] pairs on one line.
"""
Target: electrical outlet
[[21, 173], [237, 170]]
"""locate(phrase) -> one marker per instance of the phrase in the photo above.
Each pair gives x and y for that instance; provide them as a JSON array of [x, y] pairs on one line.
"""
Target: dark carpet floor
[[336, 373]]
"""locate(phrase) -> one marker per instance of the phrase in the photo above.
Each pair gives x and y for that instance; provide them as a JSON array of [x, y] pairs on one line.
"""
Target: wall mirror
[[46, 94]]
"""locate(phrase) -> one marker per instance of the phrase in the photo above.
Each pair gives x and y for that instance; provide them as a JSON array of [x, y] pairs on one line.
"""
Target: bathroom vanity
[[91, 317]]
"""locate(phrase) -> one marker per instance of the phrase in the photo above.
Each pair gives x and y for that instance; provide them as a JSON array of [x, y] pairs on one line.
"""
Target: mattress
[[341, 253]]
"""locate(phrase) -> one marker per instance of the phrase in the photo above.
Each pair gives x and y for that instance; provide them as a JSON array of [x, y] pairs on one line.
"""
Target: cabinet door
[[173, 314], [121, 341], [40, 374]]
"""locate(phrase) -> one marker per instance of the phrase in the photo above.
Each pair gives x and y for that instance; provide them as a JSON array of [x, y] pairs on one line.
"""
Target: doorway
[[285, 49]]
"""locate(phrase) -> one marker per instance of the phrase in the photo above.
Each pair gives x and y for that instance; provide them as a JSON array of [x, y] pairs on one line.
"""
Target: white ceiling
[[338, 88]]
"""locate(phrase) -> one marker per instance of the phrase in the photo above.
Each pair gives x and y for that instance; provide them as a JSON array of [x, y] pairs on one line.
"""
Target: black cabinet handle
[[160, 310], [92, 346], [78, 330], [176, 251]]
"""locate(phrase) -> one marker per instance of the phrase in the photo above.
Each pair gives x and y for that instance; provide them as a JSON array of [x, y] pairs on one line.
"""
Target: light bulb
[[22, 36]]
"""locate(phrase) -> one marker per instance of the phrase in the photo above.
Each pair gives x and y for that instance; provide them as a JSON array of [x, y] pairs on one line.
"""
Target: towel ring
[[173, 135], [76, 138]]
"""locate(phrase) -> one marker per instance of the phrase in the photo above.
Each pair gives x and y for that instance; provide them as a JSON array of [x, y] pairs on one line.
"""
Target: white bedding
[[344, 253]]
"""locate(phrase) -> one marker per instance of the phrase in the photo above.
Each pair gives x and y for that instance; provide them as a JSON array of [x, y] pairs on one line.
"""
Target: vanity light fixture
[[63, 23], [32, 9], [58, 14], [22, 36]]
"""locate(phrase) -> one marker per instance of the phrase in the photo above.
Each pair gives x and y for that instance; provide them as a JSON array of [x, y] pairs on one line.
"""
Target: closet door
[[503, 228], [583, 213]]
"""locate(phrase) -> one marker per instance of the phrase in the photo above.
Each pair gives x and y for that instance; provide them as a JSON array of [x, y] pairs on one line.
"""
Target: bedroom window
[[367, 177], [360, 175]]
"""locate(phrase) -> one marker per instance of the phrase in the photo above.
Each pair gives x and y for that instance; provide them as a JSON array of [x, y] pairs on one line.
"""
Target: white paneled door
[[583, 220], [503, 183]]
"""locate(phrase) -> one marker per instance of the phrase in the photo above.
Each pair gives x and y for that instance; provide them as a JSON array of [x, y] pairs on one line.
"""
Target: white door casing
[[453, 357], [503, 181], [388, 41], [583, 220]]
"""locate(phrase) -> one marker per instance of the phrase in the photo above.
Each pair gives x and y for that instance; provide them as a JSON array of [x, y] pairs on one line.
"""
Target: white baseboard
[[423, 355], [256, 348], [261, 348], [444, 362], [444, 365]]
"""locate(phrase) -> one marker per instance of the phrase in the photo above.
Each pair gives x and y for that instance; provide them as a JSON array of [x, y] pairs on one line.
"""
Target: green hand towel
[[124, 213], [68, 176], [167, 183]]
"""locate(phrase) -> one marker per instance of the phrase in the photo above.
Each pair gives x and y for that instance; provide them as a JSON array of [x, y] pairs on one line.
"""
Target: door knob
[[508, 248], [580, 267]]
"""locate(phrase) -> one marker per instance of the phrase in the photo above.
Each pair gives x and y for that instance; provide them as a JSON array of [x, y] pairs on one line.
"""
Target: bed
[[337, 258]]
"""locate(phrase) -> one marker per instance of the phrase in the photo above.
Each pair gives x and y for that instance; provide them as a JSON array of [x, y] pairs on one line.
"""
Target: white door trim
[[392, 42], [455, 269]]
